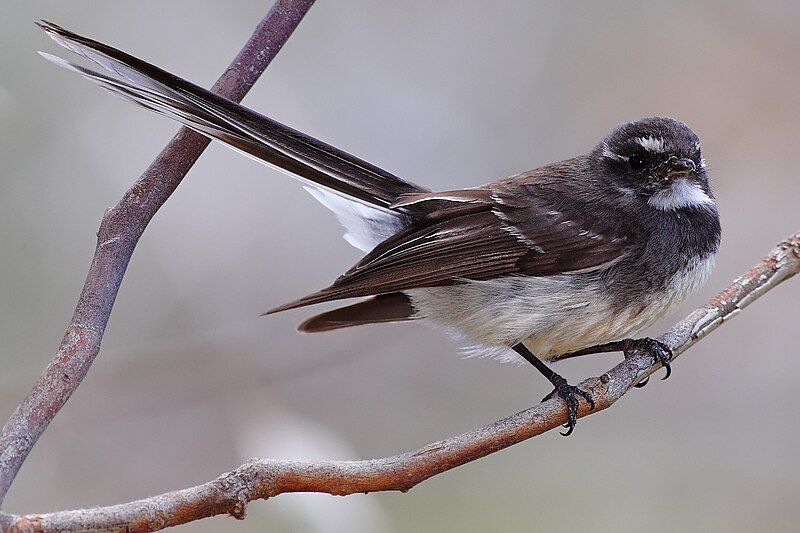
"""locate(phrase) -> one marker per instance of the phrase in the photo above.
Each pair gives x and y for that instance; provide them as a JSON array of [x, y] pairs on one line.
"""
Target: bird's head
[[657, 160]]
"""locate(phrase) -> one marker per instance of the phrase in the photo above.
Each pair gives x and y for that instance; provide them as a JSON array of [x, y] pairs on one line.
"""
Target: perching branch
[[120, 229], [265, 478]]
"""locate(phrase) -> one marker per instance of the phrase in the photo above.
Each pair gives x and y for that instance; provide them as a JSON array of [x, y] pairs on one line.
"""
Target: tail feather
[[361, 195], [258, 136], [394, 307]]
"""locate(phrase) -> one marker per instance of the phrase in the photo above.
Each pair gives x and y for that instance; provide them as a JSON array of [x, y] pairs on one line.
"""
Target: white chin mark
[[682, 193], [651, 144]]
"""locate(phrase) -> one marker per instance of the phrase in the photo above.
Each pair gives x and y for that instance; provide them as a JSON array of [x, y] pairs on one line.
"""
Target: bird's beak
[[677, 167]]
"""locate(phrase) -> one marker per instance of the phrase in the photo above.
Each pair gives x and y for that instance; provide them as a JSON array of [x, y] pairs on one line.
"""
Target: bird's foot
[[661, 353], [569, 394]]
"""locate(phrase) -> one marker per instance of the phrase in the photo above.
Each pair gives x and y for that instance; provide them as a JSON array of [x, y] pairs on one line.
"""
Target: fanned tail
[[319, 164], [361, 195]]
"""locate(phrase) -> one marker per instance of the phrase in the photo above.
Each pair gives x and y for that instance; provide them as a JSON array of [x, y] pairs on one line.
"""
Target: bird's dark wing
[[507, 228]]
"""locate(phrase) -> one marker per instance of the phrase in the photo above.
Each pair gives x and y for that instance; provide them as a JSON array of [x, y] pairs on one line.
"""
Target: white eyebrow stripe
[[651, 144]]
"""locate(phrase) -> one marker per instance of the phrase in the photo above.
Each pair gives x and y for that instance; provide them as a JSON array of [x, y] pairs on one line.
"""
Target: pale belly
[[552, 315]]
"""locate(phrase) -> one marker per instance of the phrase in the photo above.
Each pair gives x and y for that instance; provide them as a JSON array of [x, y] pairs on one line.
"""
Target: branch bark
[[119, 232], [266, 478]]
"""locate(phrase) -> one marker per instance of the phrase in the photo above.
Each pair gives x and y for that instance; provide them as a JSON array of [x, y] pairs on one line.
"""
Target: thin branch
[[120, 229], [265, 478]]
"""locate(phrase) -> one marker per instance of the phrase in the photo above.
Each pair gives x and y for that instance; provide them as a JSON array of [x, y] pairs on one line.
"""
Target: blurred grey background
[[191, 381]]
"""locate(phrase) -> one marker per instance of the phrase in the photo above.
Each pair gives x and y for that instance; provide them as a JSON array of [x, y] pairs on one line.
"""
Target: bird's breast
[[552, 315]]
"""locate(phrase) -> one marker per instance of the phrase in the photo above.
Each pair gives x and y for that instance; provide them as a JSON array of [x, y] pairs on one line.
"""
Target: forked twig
[[119, 232]]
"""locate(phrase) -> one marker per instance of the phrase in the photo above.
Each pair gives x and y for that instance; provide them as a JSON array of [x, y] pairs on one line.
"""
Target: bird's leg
[[564, 390], [661, 352]]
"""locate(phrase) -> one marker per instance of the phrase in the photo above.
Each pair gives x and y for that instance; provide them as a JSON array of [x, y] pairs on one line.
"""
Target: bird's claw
[[661, 353], [569, 394]]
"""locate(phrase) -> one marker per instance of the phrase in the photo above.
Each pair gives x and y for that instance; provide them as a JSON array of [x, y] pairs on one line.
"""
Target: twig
[[120, 229], [265, 478]]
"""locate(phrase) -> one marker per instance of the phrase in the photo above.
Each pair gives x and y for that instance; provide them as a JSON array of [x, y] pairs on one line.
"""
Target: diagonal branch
[[265, 478], [120, 229]]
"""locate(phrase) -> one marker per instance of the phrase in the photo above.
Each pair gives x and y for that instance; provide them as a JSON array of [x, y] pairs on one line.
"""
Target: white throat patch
[[682, 193]]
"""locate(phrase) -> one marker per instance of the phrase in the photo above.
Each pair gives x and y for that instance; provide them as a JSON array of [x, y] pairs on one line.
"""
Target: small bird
[[567, 259]]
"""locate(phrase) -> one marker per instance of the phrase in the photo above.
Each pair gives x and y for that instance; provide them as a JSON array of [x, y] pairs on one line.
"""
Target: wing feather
[[508, 231]]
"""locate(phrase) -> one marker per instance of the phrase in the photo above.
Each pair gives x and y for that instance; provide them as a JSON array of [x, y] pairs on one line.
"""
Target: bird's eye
[[638, 160]]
